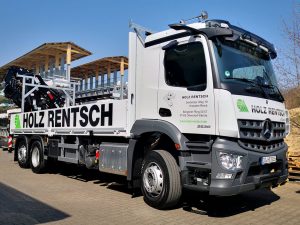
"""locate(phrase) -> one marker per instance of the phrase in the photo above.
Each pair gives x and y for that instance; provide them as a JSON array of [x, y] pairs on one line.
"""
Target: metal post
[[91, 82], [122, 86], [81, 85], [108, 77], [74, 86], [42, 74], [102, 81], [68, 75], [108, 81], [46, 66], [68, 72], [96, 77], [96, 81], [99, 80], [23, 94], [86, 83], [115, 77], [62, 66], [56, 64], [68, 79], [122, 76], [52, 67]]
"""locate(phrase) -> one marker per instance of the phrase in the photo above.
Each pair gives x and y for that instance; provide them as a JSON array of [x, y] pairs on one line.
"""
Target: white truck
[[6, 141], [203, 113]]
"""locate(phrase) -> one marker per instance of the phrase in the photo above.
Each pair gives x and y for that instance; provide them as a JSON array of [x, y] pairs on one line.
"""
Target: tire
[[22, 154], [160, 180], [37, 161]]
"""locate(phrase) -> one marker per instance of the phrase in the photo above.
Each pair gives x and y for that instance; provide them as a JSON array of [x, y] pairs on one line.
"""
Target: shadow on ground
[[81, 173], [19, 208], [228, 206], [192, 202]]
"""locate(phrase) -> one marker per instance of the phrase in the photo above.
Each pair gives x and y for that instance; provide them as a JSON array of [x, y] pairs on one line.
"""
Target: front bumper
[[252, 176]]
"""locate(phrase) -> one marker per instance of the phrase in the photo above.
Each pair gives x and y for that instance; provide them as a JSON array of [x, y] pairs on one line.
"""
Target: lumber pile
[[294, 165]]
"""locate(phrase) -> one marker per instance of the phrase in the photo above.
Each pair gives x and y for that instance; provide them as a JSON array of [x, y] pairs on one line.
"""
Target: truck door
[[185, 94]]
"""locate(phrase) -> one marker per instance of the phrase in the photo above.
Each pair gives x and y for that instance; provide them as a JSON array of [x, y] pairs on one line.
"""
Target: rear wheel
[[37, 161], [161, 184], [22, 153]]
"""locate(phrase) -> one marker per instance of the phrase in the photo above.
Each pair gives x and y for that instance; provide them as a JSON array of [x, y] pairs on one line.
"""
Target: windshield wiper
[[255, 84], [277, 90], [269, 85]]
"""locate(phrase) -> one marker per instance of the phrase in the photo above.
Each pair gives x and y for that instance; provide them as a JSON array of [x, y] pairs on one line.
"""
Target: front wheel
[[161, 184]]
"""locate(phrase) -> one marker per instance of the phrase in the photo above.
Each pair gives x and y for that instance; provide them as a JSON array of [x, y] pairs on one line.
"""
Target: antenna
[[203, 16]]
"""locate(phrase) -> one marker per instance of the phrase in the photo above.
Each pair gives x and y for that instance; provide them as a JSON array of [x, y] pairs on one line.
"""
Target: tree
[[287, 64]]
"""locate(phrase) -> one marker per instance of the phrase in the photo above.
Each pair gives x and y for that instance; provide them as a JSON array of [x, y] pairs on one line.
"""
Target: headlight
[[230, 161]]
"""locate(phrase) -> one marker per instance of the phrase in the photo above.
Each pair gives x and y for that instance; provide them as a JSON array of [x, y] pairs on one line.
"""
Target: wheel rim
[[22, 153], [153, 179], [35, 157]]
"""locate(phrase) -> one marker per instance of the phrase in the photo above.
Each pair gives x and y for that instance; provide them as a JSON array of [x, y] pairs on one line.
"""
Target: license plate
[[268, 159]]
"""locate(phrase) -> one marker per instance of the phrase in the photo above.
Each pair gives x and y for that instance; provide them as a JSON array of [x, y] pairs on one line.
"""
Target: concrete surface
[[72, 195]]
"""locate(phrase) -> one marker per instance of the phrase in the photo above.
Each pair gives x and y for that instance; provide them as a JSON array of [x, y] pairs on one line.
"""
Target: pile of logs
[[294, 165]]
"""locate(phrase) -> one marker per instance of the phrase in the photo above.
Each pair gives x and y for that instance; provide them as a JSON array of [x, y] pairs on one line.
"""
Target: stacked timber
[[294, 165]]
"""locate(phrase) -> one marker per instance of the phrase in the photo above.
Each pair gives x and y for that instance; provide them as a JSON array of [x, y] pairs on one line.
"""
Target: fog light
[[224, 176], [230, 161]]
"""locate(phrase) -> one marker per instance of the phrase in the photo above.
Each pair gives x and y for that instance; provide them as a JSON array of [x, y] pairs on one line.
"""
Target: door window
[[185, 66]]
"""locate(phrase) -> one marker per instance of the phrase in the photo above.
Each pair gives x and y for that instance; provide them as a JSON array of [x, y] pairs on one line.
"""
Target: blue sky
[[102, 26]]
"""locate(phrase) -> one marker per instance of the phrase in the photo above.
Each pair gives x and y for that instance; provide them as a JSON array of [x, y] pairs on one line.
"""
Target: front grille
[[254, 130], [262, 146], [263, 136]]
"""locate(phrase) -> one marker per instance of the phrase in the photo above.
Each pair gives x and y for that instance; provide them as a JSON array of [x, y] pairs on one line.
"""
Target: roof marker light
[[224, 25]]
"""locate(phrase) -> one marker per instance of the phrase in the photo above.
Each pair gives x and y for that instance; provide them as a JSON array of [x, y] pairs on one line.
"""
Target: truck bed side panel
[[106, 117]]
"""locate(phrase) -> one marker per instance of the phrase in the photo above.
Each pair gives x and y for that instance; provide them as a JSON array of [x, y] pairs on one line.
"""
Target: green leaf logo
[[17, 122], [241, 105]]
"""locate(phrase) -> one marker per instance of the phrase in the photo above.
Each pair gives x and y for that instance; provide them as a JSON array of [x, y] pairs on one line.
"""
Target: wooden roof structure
[[42, 54], [101, 66]]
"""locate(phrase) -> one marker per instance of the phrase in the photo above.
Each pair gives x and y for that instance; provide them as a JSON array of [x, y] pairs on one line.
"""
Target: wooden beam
[[41, 52], [108, 71], [68, 60], [29, 66], [37, 68], [47, 63], [65, 49], [56, 60], [116, 61], [122, 67]]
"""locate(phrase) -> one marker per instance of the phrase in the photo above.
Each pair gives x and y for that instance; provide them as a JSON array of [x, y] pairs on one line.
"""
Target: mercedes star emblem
[[267, 128]]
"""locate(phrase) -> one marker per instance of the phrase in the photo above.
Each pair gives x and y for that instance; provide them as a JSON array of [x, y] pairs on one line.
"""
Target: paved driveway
[[70, 195]]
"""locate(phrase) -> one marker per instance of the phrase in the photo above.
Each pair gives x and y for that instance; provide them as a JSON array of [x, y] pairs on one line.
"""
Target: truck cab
[[211, 85]]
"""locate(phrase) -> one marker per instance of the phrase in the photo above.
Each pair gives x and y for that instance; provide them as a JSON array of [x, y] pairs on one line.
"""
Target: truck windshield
[[246, 70]]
